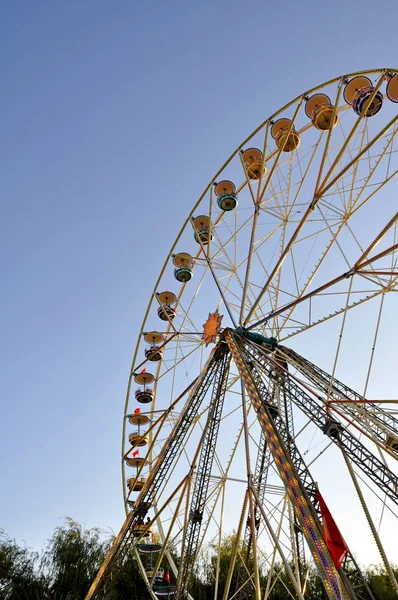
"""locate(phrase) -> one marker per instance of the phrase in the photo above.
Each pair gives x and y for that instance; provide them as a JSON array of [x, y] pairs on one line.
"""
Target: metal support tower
[[315, 408], [379, 423], [292, 469], [202, 471], [259, 482], [125, 540], [272, 391]]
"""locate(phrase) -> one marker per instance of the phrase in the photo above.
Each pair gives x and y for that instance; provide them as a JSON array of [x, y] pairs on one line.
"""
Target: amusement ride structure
[[261, 401]]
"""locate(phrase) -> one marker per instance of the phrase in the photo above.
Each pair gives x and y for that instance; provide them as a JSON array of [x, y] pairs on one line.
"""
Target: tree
[[210, 560], [69, 563], [126, 582], [20, 578], [72, 559], [380, 584]]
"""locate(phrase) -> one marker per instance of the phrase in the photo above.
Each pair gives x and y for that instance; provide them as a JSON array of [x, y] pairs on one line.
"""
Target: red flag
[[143, 371], [167, 578], [137, 411], [136, 453], [333, 538]]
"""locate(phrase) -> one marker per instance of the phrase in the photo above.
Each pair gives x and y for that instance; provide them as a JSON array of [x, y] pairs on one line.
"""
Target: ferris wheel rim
[[211, 183], [197, 203]]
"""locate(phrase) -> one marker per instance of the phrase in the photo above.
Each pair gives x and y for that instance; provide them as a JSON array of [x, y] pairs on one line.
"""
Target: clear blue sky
[[114, 116]]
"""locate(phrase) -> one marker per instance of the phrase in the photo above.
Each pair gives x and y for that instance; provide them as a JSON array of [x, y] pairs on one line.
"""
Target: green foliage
[[66, 568], [126, 583], [19, 576], [69, 563], [211, 559], [72, 559], [380, 584]]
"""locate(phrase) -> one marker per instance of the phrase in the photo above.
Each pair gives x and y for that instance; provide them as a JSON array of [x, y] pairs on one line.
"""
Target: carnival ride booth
[[154, 352], [253, 160], [227, 198], [363, 97], [166, 311], [184, 267], [286, 137], [321, 111], [202, 229]]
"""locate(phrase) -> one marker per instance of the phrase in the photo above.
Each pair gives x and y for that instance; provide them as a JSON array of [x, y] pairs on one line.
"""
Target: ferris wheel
[[262, 400]]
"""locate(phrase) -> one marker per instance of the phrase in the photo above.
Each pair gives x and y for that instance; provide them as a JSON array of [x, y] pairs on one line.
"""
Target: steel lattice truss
[[315, 407], [201, 484], [126, 538], [378, 424], [263, 460], [293, 470], [272, 390]]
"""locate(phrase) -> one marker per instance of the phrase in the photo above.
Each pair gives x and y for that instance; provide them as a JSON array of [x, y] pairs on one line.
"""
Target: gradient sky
[[114, 116]]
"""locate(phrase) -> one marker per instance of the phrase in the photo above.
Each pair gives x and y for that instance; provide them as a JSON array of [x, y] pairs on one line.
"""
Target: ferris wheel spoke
[[347, 202], [377, 188], [353, 162], [333, 240], [249, 261], [289, 208], [179, 361], [247, 183], [186, 311], [256, 249], [216, 281], [343, 276], [312, 322], [368, 250], [263, 161], [279, 263], [329, 134], [277, 268], [228, 291], [362, 259], [347, 141], [279, 151], [293, 239], [266, 209]]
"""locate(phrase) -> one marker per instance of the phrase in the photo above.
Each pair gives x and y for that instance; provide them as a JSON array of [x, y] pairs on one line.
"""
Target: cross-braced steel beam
[[378, 422], [126, 540], [202, 472], [257, 373]]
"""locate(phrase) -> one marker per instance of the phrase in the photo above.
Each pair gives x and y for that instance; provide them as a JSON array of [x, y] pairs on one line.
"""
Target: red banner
[[331, 533]]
